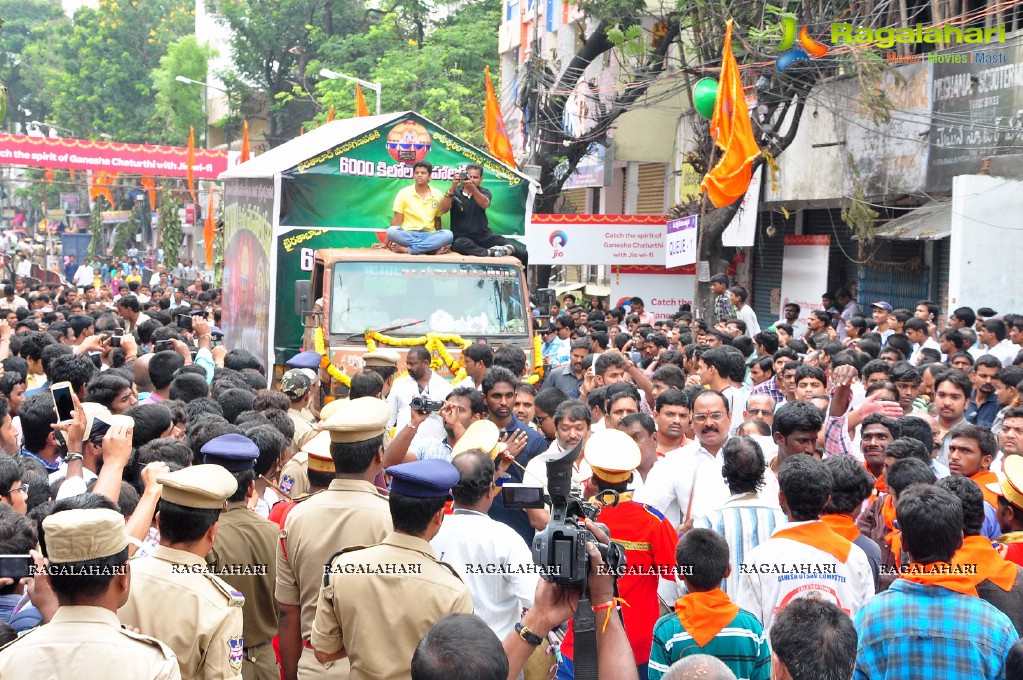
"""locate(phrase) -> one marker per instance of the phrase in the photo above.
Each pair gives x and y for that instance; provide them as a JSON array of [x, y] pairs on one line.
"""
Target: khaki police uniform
[[177, 599], [349, 512], [379, 618], [295, 473], [86, 642], [247, 544]]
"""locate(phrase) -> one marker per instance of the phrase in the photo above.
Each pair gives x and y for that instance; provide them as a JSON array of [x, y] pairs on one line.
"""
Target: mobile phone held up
[[63, 401], [16, 567]]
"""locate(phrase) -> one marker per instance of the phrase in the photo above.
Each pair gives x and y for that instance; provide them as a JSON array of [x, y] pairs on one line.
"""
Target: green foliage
[[170, 227], [96, 72], [22, 21], [124, 234], [440, 76], [97, 245], [180, 105]]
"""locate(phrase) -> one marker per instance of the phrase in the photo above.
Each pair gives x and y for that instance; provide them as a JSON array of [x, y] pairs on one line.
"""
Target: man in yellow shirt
[[415, 227]]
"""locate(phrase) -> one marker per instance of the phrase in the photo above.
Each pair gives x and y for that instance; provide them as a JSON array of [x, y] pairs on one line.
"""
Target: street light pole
[[205, 105], [334, 75]]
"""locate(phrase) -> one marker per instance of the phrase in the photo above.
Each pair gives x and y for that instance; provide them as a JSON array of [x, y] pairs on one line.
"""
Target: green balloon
[[704, 94]]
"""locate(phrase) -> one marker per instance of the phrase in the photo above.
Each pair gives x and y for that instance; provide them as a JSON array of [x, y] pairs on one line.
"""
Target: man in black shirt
[[468, 202]]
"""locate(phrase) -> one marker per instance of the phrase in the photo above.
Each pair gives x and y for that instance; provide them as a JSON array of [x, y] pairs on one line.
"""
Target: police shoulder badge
[[236, 653], [287, 481]]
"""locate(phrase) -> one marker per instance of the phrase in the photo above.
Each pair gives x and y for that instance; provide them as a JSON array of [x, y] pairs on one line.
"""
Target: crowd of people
[[836, 501]]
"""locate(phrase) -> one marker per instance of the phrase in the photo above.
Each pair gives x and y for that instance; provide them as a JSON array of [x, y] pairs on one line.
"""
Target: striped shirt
[[746, 521], [741, 645]]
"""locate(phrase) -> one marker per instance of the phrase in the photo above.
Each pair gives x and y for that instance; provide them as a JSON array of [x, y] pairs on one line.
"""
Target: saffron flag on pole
[[246, 151], [190, 161], [493, 127], [330, 114], [207, 231], [732, 131], [360, 103]]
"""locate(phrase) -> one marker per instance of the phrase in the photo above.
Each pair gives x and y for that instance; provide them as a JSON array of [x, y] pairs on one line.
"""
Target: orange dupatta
[[818, 535], [705, 614], [894, 537], [843, 525], [941, 574], [977, 551], [984, 478]]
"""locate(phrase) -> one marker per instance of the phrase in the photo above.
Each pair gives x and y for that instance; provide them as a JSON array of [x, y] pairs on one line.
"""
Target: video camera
[[423, 405], [560, 549]]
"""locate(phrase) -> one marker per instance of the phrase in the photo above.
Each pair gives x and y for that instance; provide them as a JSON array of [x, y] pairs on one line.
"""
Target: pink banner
[[83, 154]]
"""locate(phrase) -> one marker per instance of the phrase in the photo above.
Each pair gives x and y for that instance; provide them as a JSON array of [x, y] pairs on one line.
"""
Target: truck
[[361, 295], [300, 223]]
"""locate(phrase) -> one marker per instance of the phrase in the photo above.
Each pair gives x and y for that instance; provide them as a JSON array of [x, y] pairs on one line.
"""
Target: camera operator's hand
[[601, 581], [417, 417]]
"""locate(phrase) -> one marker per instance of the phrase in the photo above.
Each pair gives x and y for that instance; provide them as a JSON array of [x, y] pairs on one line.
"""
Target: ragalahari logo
[[808, 47]]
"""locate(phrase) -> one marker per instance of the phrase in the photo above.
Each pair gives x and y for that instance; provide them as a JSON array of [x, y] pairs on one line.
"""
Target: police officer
[[174, 596], [84, 639], [355, 612], [320, 474], [245, 554], [309, 362], [350, 512], [295, 473]]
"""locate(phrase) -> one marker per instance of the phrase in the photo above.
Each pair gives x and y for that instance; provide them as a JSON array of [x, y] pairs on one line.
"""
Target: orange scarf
[[843, 525], [705, 614], [938, 574], [818, 535], [984, 478], [977, 550], [893, 537], [879, 483]]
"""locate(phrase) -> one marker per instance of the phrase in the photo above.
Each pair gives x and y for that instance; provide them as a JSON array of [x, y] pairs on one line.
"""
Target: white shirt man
[[688, 478], [24, 268], [402, 393], [930, 343], [749, 317], [85, 275], [1005, 352], [781, 570], [472, 543]]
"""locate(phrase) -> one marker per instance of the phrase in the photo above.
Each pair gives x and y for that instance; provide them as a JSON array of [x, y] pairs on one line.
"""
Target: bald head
[[699, 667], [140, 371]]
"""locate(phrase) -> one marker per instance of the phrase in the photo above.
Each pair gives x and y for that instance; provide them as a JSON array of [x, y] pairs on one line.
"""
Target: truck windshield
[[439, 297]]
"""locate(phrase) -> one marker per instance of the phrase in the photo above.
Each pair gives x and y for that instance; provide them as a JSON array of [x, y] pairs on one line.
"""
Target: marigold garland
[[320, 346], [433, 342]]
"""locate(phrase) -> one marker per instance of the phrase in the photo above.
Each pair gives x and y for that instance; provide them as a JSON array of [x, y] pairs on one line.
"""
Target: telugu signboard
[[680, 242], [596, 239]]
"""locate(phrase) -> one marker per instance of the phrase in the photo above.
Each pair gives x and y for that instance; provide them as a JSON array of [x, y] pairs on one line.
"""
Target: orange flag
[[330, 115], [733, 133], [246, 152], [360, 103], [48, 174], [207, 231], [493, 127], [190, 161], [71, 174], [149, 184], [101, 181]]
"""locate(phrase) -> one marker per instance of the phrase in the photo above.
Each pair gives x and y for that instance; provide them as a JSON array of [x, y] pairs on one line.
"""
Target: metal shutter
[[768, 255], [650, 193], [574, 201]]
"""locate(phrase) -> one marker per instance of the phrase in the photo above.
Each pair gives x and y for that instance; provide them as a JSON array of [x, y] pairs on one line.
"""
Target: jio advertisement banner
[[628, 240], [353, 184], [805, 273], [662, 290]]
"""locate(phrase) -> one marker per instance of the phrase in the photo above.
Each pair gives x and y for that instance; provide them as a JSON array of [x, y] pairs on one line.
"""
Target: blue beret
[[306, 359], [431, 478], [233, 452]]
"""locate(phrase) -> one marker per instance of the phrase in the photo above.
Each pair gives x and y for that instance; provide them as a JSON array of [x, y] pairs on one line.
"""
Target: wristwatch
[[527, 635]]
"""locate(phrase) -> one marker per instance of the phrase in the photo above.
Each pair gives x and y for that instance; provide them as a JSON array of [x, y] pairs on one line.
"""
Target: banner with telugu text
[[374, 166]]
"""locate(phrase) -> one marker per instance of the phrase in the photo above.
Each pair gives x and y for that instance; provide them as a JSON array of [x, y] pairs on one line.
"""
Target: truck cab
[[405, 297]]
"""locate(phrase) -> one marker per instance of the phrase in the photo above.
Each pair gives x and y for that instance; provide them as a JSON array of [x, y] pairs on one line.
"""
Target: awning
[[597, 290], [562, 288], [930, 222]]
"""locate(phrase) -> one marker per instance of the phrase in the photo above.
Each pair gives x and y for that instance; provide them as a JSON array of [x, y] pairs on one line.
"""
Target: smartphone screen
[[16, 566], [63, 401]]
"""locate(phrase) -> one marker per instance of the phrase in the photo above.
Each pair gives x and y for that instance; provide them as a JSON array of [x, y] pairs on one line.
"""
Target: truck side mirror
[[303, 298]]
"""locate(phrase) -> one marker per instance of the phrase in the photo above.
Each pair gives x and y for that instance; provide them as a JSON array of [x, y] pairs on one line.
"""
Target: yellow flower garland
[[433, 342], [320, 346]]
